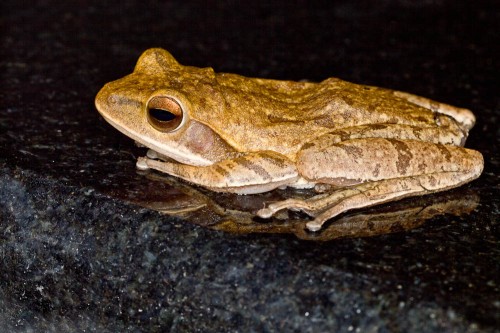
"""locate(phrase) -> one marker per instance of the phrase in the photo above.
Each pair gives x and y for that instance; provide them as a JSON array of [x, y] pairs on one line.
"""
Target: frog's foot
[[317, 206], [142, 163], [325, 206]]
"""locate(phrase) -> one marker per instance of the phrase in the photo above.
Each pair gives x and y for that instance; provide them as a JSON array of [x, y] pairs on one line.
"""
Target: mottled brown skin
[[362, 145]]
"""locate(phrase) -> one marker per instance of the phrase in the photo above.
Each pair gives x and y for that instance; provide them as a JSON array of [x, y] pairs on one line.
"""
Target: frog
[[351, 145]]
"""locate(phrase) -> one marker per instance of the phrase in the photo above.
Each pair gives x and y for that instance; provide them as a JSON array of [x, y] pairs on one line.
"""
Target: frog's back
[[282, 115], [354, 104], [333, 103]]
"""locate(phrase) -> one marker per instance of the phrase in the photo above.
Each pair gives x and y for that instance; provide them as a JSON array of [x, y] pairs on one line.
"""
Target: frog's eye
[[164, 113]]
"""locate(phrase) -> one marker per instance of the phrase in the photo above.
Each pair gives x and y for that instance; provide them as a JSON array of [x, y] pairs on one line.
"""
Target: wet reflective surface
[[90, 244]]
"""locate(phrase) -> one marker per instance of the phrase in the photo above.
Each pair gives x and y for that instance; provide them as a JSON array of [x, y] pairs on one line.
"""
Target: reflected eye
[[164, 114]]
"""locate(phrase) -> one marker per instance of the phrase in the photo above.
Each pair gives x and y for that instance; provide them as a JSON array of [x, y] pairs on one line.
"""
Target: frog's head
[[163, 105]]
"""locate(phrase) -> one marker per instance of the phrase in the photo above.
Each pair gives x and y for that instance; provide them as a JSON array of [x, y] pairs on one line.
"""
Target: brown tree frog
[[357, 145]]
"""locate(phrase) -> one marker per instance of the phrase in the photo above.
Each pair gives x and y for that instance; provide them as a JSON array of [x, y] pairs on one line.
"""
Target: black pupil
[[161, 115]]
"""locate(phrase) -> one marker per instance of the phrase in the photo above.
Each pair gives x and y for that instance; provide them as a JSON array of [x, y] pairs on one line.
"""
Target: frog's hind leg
[[464, 117], [372, 171], [323, 207]]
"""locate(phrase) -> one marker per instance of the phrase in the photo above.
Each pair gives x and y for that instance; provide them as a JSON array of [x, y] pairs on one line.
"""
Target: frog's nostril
[[112, 99], [164, 113]]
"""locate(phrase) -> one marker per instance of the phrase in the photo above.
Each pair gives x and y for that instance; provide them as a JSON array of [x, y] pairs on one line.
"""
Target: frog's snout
[[101, 99], [108, 100]]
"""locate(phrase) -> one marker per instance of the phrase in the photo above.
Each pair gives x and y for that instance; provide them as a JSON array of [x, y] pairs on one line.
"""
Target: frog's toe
[[152, 154], [265, 213], [142, 163], [314, 226], [293, 204]]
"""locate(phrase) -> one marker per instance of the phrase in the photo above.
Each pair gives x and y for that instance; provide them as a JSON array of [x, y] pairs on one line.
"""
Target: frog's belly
[[302, 183]]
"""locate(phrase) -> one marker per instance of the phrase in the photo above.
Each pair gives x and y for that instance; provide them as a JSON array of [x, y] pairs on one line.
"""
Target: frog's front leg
[[372, 171], [245, 174]]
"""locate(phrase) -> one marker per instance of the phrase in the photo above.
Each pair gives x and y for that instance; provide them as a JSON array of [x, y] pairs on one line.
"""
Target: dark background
[[78, 255]]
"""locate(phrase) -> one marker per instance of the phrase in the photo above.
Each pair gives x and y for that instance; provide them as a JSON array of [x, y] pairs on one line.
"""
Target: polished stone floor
[[88, 244]]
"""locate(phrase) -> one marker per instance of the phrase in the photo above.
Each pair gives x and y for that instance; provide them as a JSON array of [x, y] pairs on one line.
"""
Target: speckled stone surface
[[79, 254]]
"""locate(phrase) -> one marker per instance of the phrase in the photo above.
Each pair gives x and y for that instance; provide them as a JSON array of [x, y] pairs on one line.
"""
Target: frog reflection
[[235, 214]]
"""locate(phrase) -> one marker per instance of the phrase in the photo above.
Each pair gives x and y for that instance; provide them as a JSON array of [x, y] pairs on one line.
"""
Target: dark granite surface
[[81, 252]]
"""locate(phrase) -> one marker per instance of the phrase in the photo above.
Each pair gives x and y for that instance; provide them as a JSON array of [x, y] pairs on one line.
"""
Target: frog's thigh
[[375, 171], [372, 159], [246, 174]]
